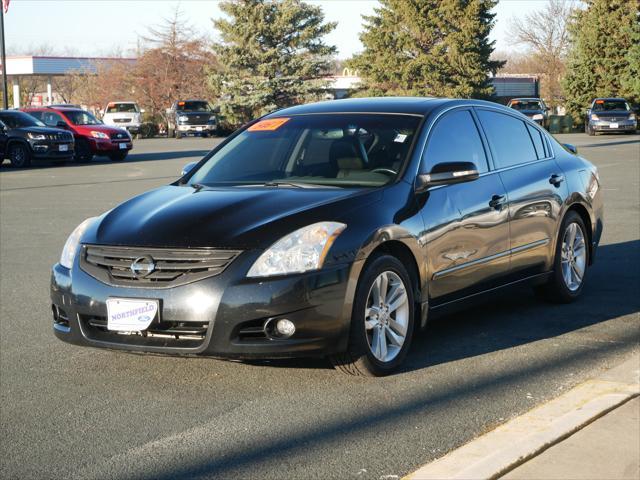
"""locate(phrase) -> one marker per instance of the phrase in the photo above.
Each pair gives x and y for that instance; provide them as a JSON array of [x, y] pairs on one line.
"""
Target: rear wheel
[[570, 263], [382, 320], [83, 152], [19, 155]]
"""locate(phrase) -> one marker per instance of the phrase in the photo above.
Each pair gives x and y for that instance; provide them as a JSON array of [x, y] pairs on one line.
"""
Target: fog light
[[285, 327]]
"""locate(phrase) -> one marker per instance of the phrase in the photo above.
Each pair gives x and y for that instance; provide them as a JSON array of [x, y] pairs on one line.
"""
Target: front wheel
[[382, 320], [19, 155], [570, 263]]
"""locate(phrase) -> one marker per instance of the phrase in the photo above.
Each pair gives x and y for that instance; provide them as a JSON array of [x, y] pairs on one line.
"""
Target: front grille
[[119, 136], [159, 334], [196, 119], [60, 137], [122, 120], [172, 267]]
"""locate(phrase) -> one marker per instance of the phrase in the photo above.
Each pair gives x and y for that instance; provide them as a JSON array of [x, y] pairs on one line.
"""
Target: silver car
[[610, 115]]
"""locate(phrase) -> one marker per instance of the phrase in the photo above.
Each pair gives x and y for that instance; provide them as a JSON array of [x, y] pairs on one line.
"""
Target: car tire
[[571, 262], [19, 155], [377, 328], [178, 135], [118, 157], [171, 132], [590, 131], [83, 152]]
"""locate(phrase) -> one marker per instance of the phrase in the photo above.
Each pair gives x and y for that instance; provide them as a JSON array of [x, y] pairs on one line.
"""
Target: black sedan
[[333, 229], [608, 115], [24, 138]]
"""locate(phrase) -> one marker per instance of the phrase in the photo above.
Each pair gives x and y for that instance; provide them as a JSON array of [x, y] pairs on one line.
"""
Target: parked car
[[23, 139], [534, 108], [191, 117], [127, 115], [610, 115], [333, 229], [92, 137]]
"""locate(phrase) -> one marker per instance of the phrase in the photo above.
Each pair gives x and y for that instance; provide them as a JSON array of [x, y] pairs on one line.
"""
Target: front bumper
[[51, 150], [207, 128], [109, 146], [619, 126], [227, 311]]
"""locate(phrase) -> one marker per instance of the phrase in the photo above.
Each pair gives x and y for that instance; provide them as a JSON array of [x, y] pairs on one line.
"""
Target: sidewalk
[[590, 432], [609, 448]]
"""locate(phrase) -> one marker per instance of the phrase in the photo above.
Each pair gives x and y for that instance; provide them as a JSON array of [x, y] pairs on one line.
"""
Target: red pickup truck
[[92, 137]]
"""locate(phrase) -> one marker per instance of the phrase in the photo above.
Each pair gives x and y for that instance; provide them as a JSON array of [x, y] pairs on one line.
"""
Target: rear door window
[[538, 141], [509, 138], [51, 119], [455, 138]]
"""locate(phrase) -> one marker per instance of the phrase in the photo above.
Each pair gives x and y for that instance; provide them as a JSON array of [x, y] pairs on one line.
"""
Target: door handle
[[497, 201], [556, 179]]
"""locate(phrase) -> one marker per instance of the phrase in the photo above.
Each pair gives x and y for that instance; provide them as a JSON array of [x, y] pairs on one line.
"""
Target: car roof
[[400, 105], [537, 99]]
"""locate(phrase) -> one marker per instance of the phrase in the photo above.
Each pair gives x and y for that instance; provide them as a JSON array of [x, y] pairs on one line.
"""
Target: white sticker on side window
[[400, 138]]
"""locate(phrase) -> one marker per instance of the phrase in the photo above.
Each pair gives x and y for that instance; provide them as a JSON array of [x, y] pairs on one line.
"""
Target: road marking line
[[513, 443]]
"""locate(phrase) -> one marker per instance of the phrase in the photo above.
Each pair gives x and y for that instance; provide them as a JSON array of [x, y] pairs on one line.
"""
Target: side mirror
[[61, 125], [447, 174], [572, 148], [187, 168]]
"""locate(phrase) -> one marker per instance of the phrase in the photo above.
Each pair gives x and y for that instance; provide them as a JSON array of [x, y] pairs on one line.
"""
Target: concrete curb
[[513, 443]]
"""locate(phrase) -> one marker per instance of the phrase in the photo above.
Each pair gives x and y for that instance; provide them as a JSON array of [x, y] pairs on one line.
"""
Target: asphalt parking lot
[[82, 413]]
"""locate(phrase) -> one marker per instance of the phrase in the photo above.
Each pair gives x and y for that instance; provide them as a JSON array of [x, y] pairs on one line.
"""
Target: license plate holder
[[131, 314], [122, 146], [63, 148], [198, 129], [613, 125]]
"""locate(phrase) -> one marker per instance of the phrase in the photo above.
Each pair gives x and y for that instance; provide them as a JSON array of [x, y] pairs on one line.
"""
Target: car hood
[[44, 130], [229, 217], [612, 113], [97, 128], [530, 113]]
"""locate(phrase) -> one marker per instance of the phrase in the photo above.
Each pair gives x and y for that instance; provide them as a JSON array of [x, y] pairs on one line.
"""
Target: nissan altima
[[333, 230]]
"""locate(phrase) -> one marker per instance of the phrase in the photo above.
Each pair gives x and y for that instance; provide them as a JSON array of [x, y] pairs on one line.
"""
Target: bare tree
[[546, 36], [173, 63]]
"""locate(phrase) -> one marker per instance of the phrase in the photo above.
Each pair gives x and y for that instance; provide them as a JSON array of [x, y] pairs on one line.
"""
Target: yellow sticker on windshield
[[268, 125]]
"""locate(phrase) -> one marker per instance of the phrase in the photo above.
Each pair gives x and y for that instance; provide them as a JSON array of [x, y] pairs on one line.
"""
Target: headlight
[[538, 116], [183, 118], [632, 116], [300, 251], [95, 134], [212, 118], [71, 245], [594, 117], [36, 136]]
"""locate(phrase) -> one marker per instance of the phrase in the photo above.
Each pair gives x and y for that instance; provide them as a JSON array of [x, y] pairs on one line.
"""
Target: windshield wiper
[[296, 184]]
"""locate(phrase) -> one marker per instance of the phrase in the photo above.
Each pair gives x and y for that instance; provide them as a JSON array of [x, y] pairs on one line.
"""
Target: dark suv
[[24, 138], [194, 117], [534, 108], [610, 115]]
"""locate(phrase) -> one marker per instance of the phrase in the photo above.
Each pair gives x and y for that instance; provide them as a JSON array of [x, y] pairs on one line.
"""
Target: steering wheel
[[386, 171]]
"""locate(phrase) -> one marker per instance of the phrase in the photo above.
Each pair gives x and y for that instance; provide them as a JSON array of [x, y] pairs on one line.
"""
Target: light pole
[[4, 59]]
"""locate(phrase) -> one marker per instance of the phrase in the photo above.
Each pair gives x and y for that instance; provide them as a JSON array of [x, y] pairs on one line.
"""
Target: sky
[[102, 27]]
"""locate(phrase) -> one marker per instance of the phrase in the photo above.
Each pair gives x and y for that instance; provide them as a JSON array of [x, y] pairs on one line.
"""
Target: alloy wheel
[[573, 256], [386, 316]]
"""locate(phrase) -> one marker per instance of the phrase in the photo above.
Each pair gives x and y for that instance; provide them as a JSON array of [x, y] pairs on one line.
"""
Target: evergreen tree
[[271, 55], [428, 48], [605, 58]]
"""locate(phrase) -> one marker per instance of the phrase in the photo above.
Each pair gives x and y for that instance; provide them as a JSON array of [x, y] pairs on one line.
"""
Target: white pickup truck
[[124, 115]]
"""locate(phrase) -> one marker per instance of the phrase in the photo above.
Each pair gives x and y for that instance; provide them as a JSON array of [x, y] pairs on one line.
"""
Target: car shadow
[[131, 158], [515, 316], [515, 320], [607, 144]]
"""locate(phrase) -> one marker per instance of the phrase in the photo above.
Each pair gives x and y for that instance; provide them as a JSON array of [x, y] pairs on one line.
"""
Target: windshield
[[80, 117], [193, 107], [19, 120], [122, 108], [526, 105], [607, 105], [329, 149]]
